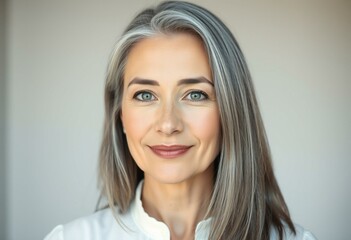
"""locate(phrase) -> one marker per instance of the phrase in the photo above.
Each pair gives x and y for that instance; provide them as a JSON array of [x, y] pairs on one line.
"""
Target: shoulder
[[100, 225], [301, 234]]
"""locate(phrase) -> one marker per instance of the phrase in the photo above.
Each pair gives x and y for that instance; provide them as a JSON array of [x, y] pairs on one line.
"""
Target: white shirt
[[137, 224]]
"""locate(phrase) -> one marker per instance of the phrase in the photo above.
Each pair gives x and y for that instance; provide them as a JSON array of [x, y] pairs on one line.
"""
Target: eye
[[144, 96], [196, 96]]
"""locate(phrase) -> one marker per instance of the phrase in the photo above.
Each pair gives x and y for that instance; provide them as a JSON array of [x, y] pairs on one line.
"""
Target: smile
[[172, 151]]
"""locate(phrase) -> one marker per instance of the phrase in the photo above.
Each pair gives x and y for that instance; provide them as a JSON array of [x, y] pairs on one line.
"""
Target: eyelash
[[143, 92], [204, 96]]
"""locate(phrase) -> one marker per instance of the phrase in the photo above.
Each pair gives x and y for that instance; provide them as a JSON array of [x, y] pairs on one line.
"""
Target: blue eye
[[197, 96], [144, 96]]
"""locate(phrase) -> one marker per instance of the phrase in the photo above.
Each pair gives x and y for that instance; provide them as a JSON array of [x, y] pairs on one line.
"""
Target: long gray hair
[[246, 202]]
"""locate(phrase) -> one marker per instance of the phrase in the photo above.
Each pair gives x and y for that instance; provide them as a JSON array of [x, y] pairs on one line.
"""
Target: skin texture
[[171, 121]]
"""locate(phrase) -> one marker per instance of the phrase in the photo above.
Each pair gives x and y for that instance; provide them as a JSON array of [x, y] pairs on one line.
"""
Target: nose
[[169, 120]]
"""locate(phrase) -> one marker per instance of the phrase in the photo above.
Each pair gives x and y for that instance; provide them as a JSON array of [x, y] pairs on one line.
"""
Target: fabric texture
[[137, 224]]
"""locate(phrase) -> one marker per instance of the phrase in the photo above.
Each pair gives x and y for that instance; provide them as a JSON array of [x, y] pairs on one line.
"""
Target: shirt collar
[[158, 230]]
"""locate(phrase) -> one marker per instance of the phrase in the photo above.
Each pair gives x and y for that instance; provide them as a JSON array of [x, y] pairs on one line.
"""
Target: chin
[[175, 174], [171, 178]]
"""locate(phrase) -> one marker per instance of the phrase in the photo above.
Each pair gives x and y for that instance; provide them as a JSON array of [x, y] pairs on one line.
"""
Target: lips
[[172, 151]]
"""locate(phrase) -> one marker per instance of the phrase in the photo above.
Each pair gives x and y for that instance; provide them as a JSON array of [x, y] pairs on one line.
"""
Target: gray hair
[[246, 202]]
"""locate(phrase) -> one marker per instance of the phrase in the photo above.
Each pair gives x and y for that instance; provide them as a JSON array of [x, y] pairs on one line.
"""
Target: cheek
[[205, 124], [135, 122], [136, 125]]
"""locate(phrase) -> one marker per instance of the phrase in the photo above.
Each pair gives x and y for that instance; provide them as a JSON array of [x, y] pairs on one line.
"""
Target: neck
[[179, 205]]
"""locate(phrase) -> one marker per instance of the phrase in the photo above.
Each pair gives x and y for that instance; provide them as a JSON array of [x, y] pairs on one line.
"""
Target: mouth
[[172, 151]]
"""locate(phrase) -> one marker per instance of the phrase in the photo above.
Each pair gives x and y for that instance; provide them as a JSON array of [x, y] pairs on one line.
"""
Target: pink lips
[[172, 151]]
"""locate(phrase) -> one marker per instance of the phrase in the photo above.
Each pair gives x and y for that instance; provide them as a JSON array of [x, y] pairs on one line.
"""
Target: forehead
[[176, 55]]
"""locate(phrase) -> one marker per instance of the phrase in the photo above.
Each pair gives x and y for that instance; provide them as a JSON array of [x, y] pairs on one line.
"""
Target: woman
[[184, 152]]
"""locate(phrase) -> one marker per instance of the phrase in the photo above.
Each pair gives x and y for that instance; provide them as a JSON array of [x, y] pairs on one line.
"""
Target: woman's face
[[169, 108]]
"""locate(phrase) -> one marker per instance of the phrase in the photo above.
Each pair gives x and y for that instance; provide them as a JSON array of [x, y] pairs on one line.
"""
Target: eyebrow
[[195, 80], [180, 82]]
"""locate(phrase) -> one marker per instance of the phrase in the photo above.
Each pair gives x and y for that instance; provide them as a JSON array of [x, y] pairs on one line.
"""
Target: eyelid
[[206, 97], [144, 91]]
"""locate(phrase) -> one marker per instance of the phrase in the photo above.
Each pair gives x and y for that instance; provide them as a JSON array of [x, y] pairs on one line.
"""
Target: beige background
[[51, 96]]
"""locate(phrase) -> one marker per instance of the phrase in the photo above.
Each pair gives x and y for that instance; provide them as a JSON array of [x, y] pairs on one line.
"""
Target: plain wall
[[2, 120], [299, 54]]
